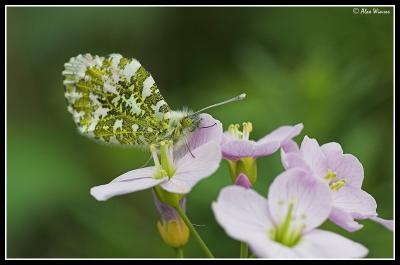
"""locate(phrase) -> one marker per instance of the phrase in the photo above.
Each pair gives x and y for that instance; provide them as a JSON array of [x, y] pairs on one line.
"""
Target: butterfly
[[114, 99]]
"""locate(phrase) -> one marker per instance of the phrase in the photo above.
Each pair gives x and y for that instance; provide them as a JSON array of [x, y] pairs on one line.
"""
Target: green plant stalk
[[194, 232], [244, 250], [179, 253]]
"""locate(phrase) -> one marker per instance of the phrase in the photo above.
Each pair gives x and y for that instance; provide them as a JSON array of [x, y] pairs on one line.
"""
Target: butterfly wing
[[115, 100]]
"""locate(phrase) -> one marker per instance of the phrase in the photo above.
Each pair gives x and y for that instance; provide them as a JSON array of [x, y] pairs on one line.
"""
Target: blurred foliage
[[325, 67]]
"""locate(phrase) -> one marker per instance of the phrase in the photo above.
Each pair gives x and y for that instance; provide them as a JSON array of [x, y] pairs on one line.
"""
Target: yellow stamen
[[330, 175], [338, 184], [247, 128], [231, 128]]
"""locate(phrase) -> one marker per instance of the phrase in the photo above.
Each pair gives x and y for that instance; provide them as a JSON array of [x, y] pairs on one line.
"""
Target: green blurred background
[[325, 67]]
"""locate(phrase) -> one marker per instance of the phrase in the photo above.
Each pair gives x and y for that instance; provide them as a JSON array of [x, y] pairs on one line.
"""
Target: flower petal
[[136, 173], [270, 143], [289, 147], [190, 170], [266, 148], [282, 134], [311, 197], [325, 244], [332, 150], [351, 203], [237, 149], [355, 201], [135, 180], [243, 213], [263, 247], [315, 244], [389, 224], [293, 160], [345, 165], [344, 219], [227, 137], [209, 129], [349, 167], [313, 155]]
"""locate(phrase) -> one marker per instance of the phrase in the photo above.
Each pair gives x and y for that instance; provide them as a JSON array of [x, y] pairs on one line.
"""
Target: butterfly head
[[183, 123]]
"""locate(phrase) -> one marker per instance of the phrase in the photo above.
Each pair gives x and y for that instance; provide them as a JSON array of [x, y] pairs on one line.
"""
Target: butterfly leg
[[188, 147]]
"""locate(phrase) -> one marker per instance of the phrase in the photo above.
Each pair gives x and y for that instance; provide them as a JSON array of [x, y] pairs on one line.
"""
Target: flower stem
[[179, 253], [194, 232], [244, 250]]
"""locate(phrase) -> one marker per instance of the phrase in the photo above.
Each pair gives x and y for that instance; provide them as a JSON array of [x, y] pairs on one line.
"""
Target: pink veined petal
[[132, 181], [344, 219], [312, 154], [389, 224], [282, 134], [190, 170], [136, 173], [295, 160], [227, 137], [359, 203], [349, 167], [242, 213], [325, 244], [311, 197], [237, 149], [289, 147], [332, 150], [209, 129], [345, 165], [266, 148]]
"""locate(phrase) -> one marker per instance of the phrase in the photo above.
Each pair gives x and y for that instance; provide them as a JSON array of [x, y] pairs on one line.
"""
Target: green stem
[[179, 253], [244, 250], [194, 232]]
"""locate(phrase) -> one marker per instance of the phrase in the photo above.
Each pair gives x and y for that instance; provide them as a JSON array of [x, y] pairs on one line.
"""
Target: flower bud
[[172, 228], [174, 233], [245, 165], [243, 181]]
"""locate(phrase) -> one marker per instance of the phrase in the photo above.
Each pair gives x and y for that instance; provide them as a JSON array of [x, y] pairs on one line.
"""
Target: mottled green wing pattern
[[115, 100]]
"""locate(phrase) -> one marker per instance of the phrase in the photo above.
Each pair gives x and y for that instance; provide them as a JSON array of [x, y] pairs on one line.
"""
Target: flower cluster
[[318, 183]]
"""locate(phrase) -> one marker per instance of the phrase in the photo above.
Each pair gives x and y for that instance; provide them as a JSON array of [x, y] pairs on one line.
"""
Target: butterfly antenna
[[237, 98], [204, 127]]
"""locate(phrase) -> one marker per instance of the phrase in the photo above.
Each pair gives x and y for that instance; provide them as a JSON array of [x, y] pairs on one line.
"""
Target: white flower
[[284, 226]]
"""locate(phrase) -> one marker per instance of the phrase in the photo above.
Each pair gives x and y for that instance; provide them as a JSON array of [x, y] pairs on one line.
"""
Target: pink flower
[[241, 152], [284, 226], [178, 171], [236, 144], [343, 173]]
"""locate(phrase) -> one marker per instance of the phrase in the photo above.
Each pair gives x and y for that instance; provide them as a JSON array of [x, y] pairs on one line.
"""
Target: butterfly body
[[115, 100]]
